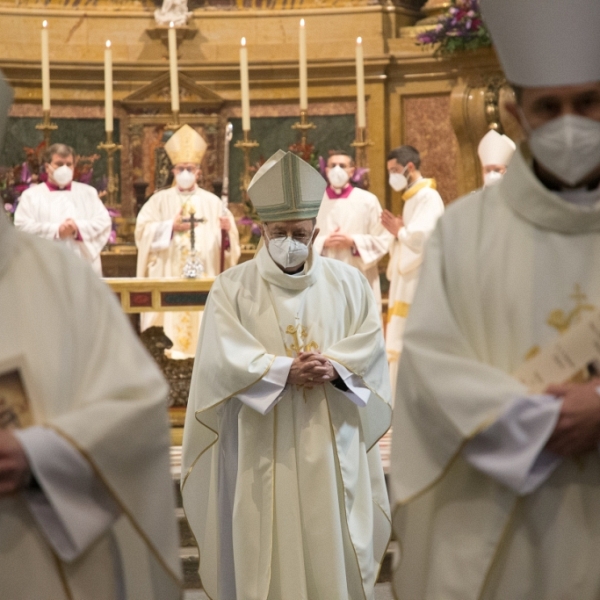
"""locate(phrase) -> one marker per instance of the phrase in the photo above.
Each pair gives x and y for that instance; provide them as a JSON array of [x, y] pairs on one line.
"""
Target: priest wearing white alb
[[349, 222], [65, 210], [422, 208], [282, 480], [497, 488], [86, 494], [162, 235], [495, 151]]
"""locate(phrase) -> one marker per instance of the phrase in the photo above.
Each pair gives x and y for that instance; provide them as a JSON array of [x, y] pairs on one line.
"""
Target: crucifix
[[193, 267]]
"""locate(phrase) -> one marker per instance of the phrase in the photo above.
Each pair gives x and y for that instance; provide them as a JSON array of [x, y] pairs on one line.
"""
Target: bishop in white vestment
[[422, 208], [282, 481], [47, 208], [96, 519], [163, 237], [496, 488], [349, 223]]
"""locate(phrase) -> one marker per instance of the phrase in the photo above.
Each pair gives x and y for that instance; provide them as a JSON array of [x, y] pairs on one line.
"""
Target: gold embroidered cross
[[299, 343]]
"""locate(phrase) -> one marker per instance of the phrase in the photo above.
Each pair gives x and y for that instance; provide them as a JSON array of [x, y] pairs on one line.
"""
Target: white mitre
[[186, 145], [495, 149], [286, 188], [545, 43]]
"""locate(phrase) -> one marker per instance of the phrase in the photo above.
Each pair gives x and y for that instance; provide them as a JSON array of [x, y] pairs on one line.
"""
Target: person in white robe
[[162, 236], [282, 481], [349, 222], [86, 494], [495, 151], [421, 209], [65, 210], [495, 485]]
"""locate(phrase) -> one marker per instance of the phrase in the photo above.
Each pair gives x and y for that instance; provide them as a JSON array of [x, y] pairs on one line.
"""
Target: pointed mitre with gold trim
[[186, 145], [286, 188]]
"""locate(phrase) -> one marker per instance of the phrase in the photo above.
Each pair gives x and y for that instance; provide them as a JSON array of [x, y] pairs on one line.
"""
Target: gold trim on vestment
[[122, 506], [417, 187], [507, 525], [398, 309], [196, 413], [62, 575]]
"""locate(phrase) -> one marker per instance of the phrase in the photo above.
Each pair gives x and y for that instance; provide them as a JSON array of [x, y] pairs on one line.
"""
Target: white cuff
[[357, 392], [162, 236], [73, 507], [511, 450], [267, 392]]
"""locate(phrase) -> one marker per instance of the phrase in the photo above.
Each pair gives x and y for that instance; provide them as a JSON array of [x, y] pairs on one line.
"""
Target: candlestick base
[[174, 125], [303, 126], [246, 145], [47, 127], [112, 184]]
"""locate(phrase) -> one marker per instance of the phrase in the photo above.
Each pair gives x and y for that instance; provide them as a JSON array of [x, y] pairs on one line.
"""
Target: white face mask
[[398, 181], [491, 178], [185, 179], [338, 177], [63, 175], [288, 252], [569, 146]]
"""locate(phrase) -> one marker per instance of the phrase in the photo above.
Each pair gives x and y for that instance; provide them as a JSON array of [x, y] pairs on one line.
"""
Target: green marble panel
[[83, 135], [275, 133]]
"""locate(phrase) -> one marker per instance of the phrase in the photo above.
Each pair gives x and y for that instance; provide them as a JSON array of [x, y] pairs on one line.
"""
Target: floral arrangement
[[461, 28]]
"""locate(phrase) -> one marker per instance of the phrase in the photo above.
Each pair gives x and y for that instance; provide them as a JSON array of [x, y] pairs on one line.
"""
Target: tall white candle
[[361, 116], [303, 68], [245, 86], [108, 88], [45, 68], [173, 68]]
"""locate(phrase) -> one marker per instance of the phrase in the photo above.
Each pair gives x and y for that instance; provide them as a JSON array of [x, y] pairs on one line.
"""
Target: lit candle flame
[[301, 22], [359, 40], [45, 24], [171, 24], [243, 41], [108, 43]]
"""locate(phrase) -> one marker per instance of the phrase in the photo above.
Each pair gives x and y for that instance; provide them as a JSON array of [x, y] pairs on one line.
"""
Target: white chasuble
[[507, 269], [41, 212], [309, 517], [94, 390], [422, 208], [358, 215], [163, 252]]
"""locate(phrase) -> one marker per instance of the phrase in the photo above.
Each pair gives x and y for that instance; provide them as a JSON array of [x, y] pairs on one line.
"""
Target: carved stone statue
[[172, 11]]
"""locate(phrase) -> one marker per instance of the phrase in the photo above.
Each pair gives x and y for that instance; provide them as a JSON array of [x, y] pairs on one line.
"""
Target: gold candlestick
[[174, 124], [246, 145], [47, 127], [361, 143], [112, 184], [303, 126]]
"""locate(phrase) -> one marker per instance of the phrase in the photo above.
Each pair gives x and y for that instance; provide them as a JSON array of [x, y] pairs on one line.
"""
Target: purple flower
[[245, 220]]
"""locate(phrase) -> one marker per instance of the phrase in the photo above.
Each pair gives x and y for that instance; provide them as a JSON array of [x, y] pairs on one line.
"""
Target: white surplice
[[283, 485], [163, 253], [41, 211], [423, 206], [359, 216], [482, 511], [101, 526]]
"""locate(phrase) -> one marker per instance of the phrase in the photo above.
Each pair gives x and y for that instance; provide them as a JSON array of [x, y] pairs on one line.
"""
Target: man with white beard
[[65, 210], [496, 483]]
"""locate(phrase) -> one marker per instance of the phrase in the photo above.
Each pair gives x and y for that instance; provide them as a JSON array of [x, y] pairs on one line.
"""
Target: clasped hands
[[338, 240], [391, 222], [310, 369], [67, 229], [578, 427]]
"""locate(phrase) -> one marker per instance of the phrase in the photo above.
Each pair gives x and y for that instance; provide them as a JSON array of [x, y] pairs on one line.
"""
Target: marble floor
[[383, 591]]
